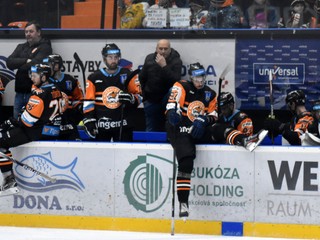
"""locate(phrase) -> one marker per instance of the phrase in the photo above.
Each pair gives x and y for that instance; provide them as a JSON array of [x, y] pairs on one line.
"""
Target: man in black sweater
[[160, 71]]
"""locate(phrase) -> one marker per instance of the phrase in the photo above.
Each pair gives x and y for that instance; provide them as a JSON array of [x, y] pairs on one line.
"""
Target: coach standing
[[160, 71], [27, 54]]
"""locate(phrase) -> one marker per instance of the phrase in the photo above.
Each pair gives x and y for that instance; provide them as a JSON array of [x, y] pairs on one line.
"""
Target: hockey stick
[[271, 95], [135, 72], [173, 191], [271, 102], [173, 180], [80, 63], [221, 78], [27, 167]]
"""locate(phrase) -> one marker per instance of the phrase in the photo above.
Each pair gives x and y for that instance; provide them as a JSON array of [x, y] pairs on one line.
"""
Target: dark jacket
[[156, 81], [19, 57]]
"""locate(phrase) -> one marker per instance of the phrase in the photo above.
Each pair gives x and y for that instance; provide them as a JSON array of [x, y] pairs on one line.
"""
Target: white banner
[[229, 183], [214, 55]]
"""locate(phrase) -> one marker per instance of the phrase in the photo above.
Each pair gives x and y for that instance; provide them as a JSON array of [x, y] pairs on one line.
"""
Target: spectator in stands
[[33, 51], [224, 14], [300, 15], [235, 127], [198, 14], [134, 14], [316, 18], [299, 123], [261, 14], [110, 93], [160, 71]]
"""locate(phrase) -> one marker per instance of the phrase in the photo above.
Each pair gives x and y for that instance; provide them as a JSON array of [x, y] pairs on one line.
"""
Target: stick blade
[[225, 71]]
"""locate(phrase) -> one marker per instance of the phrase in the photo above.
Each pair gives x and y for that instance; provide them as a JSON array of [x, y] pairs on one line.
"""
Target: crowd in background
[[204, 14]]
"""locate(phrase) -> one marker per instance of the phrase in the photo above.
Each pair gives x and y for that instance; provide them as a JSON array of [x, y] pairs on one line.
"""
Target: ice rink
[[19, 233]]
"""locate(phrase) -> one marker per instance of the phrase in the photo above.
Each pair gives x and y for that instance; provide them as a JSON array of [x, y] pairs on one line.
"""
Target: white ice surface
[[22, 233]]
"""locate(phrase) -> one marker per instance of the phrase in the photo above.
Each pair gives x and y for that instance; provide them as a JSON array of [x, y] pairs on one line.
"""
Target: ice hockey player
[[71, 87], [299, 123], [45, 102], [235, 127], [191, 108], [110, 93]]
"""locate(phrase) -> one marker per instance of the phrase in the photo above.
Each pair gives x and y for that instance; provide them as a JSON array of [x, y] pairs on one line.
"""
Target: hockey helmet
[[199, 3], [53, 59], [226, 98], [217, 2], [42, 69], [294, 2], [297, 96], [110, 49], [197, 74]]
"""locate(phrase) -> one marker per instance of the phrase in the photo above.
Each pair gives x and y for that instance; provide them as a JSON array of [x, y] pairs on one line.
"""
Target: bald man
[[160, 71]]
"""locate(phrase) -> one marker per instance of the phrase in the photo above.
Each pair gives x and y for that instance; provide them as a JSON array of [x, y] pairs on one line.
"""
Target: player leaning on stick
[[299, 123], [191, 108], [46, 102], [110, 93], [234, 126]]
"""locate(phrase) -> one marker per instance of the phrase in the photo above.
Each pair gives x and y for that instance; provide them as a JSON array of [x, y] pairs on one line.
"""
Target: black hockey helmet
[[109, 49], [294, 2], [42, 69], [226, 98], [196, 69], [217, 2], [53, 59], [296, 96]]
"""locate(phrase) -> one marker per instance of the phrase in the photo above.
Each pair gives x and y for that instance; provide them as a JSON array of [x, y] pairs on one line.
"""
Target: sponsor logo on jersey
[[195, 109], [110, 97]]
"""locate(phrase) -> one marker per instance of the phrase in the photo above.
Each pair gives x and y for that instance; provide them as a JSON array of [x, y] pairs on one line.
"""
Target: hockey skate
[[250, 143], [184, 211], [9, 186]]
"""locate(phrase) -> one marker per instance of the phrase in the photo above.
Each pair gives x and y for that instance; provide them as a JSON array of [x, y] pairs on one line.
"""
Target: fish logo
[[66, 176], [6, 75]]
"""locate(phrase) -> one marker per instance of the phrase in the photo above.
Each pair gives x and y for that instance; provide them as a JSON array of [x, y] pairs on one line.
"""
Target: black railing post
[[103, 13]]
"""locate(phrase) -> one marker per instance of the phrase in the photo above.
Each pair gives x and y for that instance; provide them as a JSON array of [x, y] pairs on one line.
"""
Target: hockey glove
[[90, 127], [124, 97], [274, 126], [173, 117], [9, 124], [199, 125]]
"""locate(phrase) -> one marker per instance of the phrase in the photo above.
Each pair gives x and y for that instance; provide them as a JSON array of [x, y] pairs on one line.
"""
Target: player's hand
[[124, 97], [90, 126], [274, 126], [173, 117], [9, 124], [199, 125]]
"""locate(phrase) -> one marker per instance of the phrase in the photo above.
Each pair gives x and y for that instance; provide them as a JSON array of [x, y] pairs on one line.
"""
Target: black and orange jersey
[[192, 102], [45, 103], [70, 86], [298, 126], [101, 99], [239, 123]]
